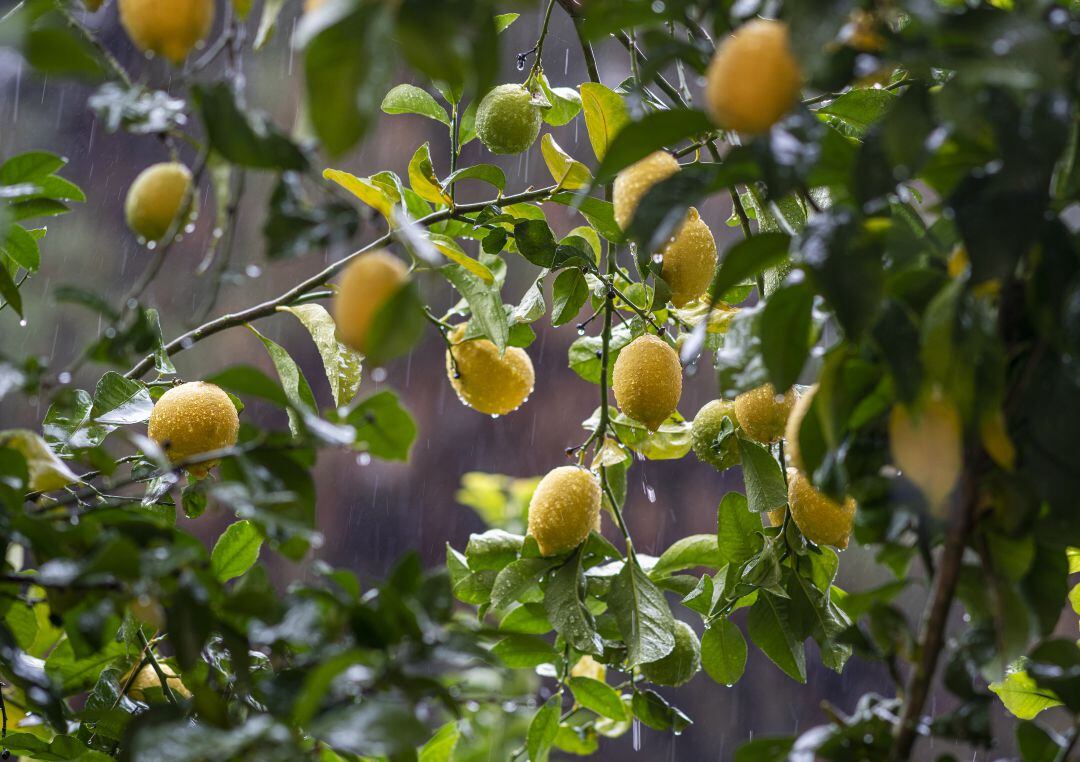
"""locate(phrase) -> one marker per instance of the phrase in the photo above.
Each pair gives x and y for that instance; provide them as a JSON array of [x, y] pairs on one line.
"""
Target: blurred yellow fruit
[[564, 509], [681, 664], [367, 284], [927, 446], [156, 198], [484, 380], [647, 380], [45, 470], [170, 28], [507, 120], [794, 424], [763, 413], [996, 440], [706, 428], [689, 260], [587, 666], [821, 519], [634, 181], [192, 419], [753, 78], [146, 610], [147, 679]]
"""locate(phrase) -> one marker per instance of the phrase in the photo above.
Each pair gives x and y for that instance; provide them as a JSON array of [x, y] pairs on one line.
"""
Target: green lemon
[[681, 664], [706, 428], [507, 121]]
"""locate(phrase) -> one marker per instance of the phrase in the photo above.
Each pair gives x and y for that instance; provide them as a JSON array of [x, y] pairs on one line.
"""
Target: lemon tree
[[888, 329]]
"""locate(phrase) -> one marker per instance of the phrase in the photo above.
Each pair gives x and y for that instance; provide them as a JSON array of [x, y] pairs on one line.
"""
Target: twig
[[162, 678]]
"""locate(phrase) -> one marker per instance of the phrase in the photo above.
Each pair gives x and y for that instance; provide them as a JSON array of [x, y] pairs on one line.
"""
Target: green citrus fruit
[[681, 664], [706, 428], [507, 120]]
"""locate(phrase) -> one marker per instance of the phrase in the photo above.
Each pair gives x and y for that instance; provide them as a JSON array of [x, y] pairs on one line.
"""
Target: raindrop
[[494, 416], [218, 233], [650, 493], [151, 245], [637, 734], [189, 228], [378, 375], [521, 63], [363, 459], [253, 271], [22, 323], [187, 343], [657, 257], [658, 7], [581, 330], [64, 378]]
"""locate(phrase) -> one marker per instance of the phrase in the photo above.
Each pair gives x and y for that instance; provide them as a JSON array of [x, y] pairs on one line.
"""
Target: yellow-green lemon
[[564, 509], [156, 198], [634, 181], [647, 380], [821, 519], [927, 446], [486, 381], [367, 284], [192, 419], [507, 120], [706, 428], [170, 28], [763, 413], [147, 679], [689, 260], [587, 666], [681, 664], [753, 78], [794, 425]]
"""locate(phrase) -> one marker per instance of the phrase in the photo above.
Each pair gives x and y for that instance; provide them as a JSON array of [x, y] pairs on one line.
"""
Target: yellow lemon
[[794, 424], [507, 121], [753, 78], [763, 413], [634, 182], [170, 28], [192, 419], [564, 509], [647, 380], [821, 519], [927, 446], [367, 284], [587, 666], [156, 198], [484, 380], [689, 260], [706, 428], [776, 516], [147, 679], [681, 664]]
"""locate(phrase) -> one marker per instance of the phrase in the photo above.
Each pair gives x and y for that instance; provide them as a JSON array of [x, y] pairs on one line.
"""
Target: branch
[[269, 307]]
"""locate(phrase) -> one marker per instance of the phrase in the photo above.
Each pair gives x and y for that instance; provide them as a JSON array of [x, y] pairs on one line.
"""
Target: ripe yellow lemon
[[753, 78], [147, 679], [689, 260], [681, 664], [821, 519], [763, 414], [647, 380], [191, 419], [564, 509], [927, 446], [634, 181], [794, 424], [484, 380], [776, 516], [156, 198], [706, 428], [507, 121], [587, 666], [367, 284], [171, 28]]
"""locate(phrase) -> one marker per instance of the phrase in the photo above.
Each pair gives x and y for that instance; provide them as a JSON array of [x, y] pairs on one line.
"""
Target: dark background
[[371, 514]]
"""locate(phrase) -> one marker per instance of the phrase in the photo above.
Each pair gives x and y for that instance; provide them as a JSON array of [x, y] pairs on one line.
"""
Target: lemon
[[367, 284], [148, 611], [156, 198], [927, 446], [507, 120], [634, 182], [706, 428], [647, 380], [763, 414], [776, 516], [994, 434], [794, 424], [147, 679], [821, 519], [484, 380], [681, 664], [689, 260], [753, 78], [170, 28], [192, 419], [587, 666], [564, 509]]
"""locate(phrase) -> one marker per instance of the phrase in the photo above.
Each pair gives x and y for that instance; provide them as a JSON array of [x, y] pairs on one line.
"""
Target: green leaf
[[597, 212], [297, 390], [424, 180], [488, 173], [535, 242], [383, 427], [565, 103], [769, 626], [516, 578], [566, 609], [236, 550], [642, 614], [568, 295], [519, 651], [856, 110], [567, 172], [10, 292], [1022, 696], [584, 353], [484, 301], [30, 167], [543, 728], [120, 401], [410, 99], [503, 20], [785, 327], [746, 259], [653, 710], [397, 325], [687, 553], [372, 194], [765, 485], [723, 652], [22, 247], [440, 747], [605, 115], [598, 697], [452, 251], [638, 139], [342, 364], [243, 137]]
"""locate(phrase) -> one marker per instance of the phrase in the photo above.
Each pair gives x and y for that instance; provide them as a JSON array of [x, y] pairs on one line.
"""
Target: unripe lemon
[[753, 78], [689, 260], [681, 664], [821, 519], [171, 28], [484, 380], [156, 198], [191, 419], [507, 121], [647, 380], [367, 284], [564, 509], [794, 424], [147, 679], [634, 182], [587, 666], [763, 414], [706, 428], [927, 446]]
